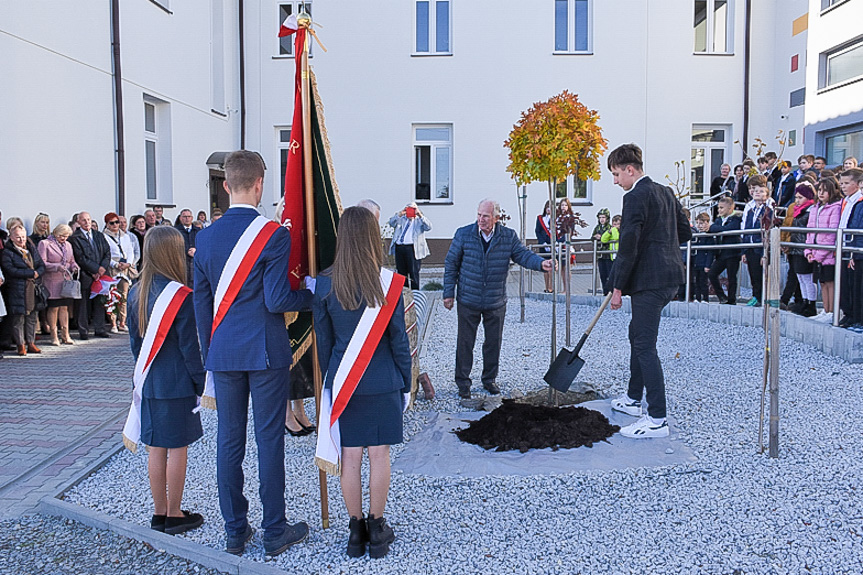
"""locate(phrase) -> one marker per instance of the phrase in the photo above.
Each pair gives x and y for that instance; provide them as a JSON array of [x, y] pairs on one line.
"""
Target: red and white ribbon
[[161, 318], [358, 354], [243, 258]]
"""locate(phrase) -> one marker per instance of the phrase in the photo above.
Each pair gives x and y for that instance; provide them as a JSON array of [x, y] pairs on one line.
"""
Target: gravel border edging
[[838, 342]]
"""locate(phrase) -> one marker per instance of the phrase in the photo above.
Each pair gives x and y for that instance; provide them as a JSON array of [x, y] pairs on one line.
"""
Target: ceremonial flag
[[102, 286], [327, 207]]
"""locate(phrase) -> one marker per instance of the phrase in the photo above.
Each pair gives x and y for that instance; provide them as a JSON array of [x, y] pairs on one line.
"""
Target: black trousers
[[792, 286], [700, 289], [756, 273], [91, 312], [492, 326], [846, 289], [730, 266], [408, 265], [604, 271], [856, 281], [645, 369]]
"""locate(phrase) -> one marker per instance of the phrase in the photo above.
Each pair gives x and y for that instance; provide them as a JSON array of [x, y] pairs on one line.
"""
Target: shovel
[[567, 364]]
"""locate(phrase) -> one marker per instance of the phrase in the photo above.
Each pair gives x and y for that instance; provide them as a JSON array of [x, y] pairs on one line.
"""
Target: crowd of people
[[808, 196], [47, 278]]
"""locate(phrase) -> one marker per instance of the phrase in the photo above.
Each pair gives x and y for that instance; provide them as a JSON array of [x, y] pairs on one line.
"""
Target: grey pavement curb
[[177, 546], [838, 342]]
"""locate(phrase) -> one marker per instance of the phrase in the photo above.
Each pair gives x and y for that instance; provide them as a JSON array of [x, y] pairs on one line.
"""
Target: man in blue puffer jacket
[[478, 263]]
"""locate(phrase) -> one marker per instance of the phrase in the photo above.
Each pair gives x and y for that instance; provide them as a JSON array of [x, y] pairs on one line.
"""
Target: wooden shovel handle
[[595, 319]]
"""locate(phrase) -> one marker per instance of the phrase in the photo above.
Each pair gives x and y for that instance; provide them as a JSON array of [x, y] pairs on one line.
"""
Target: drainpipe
[[242, 78], [118, 108], [747, 36]]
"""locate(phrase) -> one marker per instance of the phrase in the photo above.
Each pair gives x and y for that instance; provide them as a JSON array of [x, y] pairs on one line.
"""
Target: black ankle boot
[[358, 538], [809, 309], [381, 537], [799, 306]]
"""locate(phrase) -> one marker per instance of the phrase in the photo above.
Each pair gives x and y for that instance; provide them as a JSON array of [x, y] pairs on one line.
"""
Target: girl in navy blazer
[[175, 378], [373, 416]]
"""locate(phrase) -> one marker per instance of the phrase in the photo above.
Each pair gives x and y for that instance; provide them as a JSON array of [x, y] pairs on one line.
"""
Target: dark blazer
[[17, 273], [774, 176], [176, 370], [189, 240], [252, 335], [740, 192], [542, 237], [702, 258], [390, 366], [784, 196], [88, 258], [652, 230], [719, 184], [733, 222]]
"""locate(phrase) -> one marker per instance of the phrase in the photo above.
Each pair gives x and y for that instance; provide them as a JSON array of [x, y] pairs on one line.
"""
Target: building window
[[286, 9], [797, 98], [842, 65], [712, 26], [841, 146], [827, 4], [707, 154], [578, 191], [217, 56], [163, 4], [283, 145], [157, 150], [792, 138], [795, 62], [572, 26], [432, 27], [433, 163]]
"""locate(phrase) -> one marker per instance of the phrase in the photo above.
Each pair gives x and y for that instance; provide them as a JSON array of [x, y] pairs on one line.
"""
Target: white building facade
[[419, 95]]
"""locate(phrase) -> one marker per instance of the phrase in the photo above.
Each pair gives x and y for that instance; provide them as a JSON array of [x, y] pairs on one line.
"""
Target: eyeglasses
[[115, 222]]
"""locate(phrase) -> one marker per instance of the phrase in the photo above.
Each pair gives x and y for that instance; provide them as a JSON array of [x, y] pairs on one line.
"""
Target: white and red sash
[[161, 318], [358, 354], [243, 258]]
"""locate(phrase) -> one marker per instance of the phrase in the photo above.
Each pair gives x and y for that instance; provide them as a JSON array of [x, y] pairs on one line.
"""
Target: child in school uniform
[[825, 214], [176, 376], [701, 259]]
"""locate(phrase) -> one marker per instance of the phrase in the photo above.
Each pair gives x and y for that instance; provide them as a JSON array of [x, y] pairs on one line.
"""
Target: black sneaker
[[157, 523], [846, 321], [236, 544], [293, 534], [189, 521]]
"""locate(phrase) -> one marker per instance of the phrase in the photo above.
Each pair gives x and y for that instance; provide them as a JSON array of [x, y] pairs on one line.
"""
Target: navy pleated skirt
[[170, 423], [372, 420]]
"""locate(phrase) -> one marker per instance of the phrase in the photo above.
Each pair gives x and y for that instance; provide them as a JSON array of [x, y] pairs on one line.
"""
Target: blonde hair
[[61, 230], [357, 264], [164, 255]]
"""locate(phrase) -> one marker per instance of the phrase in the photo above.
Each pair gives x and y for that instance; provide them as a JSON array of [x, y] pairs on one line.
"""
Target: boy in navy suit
[[249, 354]]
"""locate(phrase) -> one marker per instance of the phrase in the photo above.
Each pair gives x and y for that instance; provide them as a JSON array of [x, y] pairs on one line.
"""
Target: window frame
[[824, 64], [572, 29], [571, 189], [710, 26], [434, 145], [161, 140], [828, 5], [843, 131], [708, 147], [281, 146], [432, 29], [295, 6]]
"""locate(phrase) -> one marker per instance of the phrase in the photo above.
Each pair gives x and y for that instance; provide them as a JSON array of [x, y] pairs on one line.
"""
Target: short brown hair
[[758, 181], [242, 169], [856, 174], [702, 217], [725, 200], [625, 155], [616, 218]]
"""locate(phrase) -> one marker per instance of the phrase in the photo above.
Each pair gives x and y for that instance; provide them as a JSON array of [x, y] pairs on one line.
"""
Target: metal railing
[[841, 252]]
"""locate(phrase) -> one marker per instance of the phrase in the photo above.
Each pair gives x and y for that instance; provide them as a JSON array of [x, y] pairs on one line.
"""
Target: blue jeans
[[645, 369], [269, 392]]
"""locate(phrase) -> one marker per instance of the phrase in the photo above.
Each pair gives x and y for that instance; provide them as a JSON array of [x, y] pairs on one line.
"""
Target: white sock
[[655, 421]]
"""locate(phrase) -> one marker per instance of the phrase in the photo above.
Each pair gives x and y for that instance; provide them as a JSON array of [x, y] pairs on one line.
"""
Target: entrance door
[[218, 196]]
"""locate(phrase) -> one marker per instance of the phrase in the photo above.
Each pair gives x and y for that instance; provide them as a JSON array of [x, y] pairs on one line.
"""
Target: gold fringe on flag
[[329, 468], [130, 445], [208, 402]]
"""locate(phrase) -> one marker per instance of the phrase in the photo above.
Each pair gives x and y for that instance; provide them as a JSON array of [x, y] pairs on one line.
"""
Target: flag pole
[[305, 21]]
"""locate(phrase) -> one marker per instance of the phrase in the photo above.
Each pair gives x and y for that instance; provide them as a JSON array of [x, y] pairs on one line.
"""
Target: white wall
[[642, 78], [57, 105]]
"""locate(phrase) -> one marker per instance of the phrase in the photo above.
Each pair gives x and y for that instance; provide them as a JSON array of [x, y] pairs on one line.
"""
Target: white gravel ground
[[733, 512]]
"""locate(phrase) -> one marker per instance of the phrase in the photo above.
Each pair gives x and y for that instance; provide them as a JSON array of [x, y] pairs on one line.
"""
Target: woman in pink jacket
[[825, 214], [59, 265]]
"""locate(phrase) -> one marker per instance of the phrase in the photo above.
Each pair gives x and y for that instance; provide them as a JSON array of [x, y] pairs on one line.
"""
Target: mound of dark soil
[[521, 426]]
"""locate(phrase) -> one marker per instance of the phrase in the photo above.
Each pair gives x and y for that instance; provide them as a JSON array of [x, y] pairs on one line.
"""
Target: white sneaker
[[627, 405], [645, 428], [824, 317], [114, 330]]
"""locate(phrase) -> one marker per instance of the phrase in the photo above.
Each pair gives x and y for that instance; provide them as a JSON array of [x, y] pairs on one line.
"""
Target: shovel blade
[[563, 370]]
